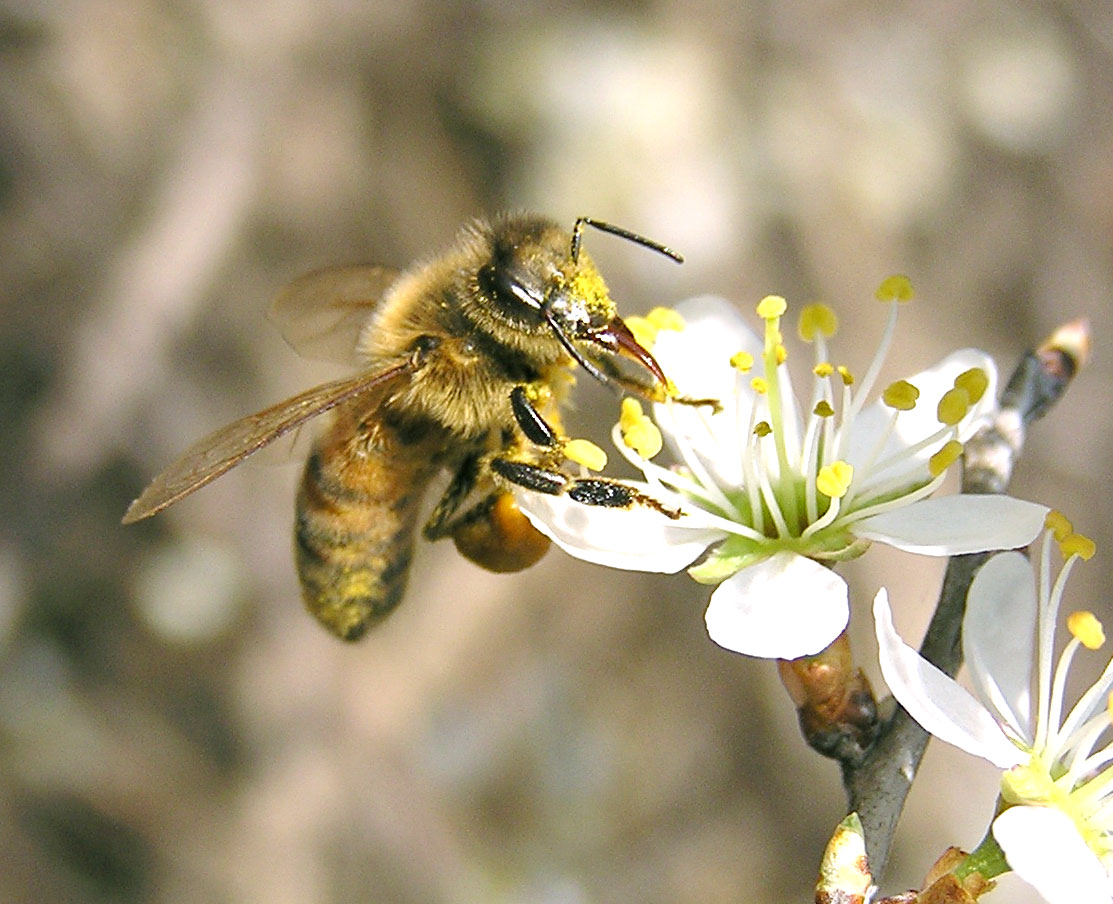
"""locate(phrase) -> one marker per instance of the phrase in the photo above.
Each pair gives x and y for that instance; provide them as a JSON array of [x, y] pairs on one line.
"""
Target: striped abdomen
[[356, 512]]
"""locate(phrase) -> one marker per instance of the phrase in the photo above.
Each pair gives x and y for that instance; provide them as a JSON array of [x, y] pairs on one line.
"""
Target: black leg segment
[[533, 425]]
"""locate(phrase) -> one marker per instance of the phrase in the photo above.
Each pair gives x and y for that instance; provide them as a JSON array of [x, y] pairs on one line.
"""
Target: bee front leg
[[585, 490]]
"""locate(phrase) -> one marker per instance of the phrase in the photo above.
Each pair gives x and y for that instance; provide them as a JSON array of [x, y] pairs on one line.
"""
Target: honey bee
[[466, 360]]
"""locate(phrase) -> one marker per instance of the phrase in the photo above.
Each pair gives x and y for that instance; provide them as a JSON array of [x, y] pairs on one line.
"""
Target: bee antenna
[[577, 236]]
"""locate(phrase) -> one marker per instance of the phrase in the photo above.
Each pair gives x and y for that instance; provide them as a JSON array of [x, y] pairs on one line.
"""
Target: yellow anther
[[585, 452], [762, 428], [644, 438], [823, 409], [900, 395], [974, 381], [895, 288], [781, 353], [742, 361], [771, 307], [1077, 545], [1059, 525], [834, 479], [665, 319], [630, 413], [847, 376], [817, 318], [953, 406], [945, 457], [645, 333], [759, 385], [1086, 629], [671, 389], [824, 369]]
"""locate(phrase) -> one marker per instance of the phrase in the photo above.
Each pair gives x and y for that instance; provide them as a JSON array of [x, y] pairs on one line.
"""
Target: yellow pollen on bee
[[762, 428], [953, 406], [847, 376], [817, 319], [1059, 525], [948, 454], [759, 385], [975, 381], [585, 452], [895, 288], [1086, 629], [823, 409], [771, 307], [742, 361], [823, 369], [1077, 545], [900, 395], [645, 333], [834, 479], [665, 319], [781, 352]]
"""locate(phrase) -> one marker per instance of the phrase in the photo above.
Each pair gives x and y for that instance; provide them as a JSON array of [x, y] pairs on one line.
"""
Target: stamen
[[644, 438], [953, 406], [817, 319], [895, 288], [847, 376], [665, 319], [900, 395], [1057, 523], [1087, 629], [834, 479], [759, 385], [1077, 545], [742, 361], [975, 381], [585, 452], [945, 457], [823, 409], [823, 369], [771, 307]]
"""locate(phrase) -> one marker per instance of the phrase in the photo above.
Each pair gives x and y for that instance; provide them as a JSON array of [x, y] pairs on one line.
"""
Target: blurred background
[[174, 728]]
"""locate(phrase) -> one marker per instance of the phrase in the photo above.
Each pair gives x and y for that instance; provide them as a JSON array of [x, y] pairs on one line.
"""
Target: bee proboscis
[[466, 359]]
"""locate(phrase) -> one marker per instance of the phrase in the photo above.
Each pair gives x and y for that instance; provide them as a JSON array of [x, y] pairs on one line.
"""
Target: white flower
[[1057, 830], [771, 491]]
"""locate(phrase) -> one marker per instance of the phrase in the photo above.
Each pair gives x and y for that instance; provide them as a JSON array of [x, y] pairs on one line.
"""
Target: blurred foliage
[[172, 726]]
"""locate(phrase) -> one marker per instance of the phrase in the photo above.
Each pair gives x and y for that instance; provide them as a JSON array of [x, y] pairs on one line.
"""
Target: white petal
[[913, 426], [784, 607], [953, 525], [697, 360], [636, 539], [1044, 848], [936, 701], [999, 636]]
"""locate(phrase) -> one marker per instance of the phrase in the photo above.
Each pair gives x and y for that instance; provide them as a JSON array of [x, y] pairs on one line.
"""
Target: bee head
[[538, 281]]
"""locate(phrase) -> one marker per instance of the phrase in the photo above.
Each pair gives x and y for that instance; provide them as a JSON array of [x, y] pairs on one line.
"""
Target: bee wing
[[321, 314], [225, 448]]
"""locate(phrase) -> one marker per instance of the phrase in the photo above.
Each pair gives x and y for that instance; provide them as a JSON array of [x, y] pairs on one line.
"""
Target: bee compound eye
[[512, 299]]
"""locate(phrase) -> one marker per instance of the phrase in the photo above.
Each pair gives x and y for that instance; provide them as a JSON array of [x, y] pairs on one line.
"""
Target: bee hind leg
[[442, 522]]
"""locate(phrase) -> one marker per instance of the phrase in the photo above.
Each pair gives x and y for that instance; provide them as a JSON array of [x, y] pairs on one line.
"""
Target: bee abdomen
[[354, 535]]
